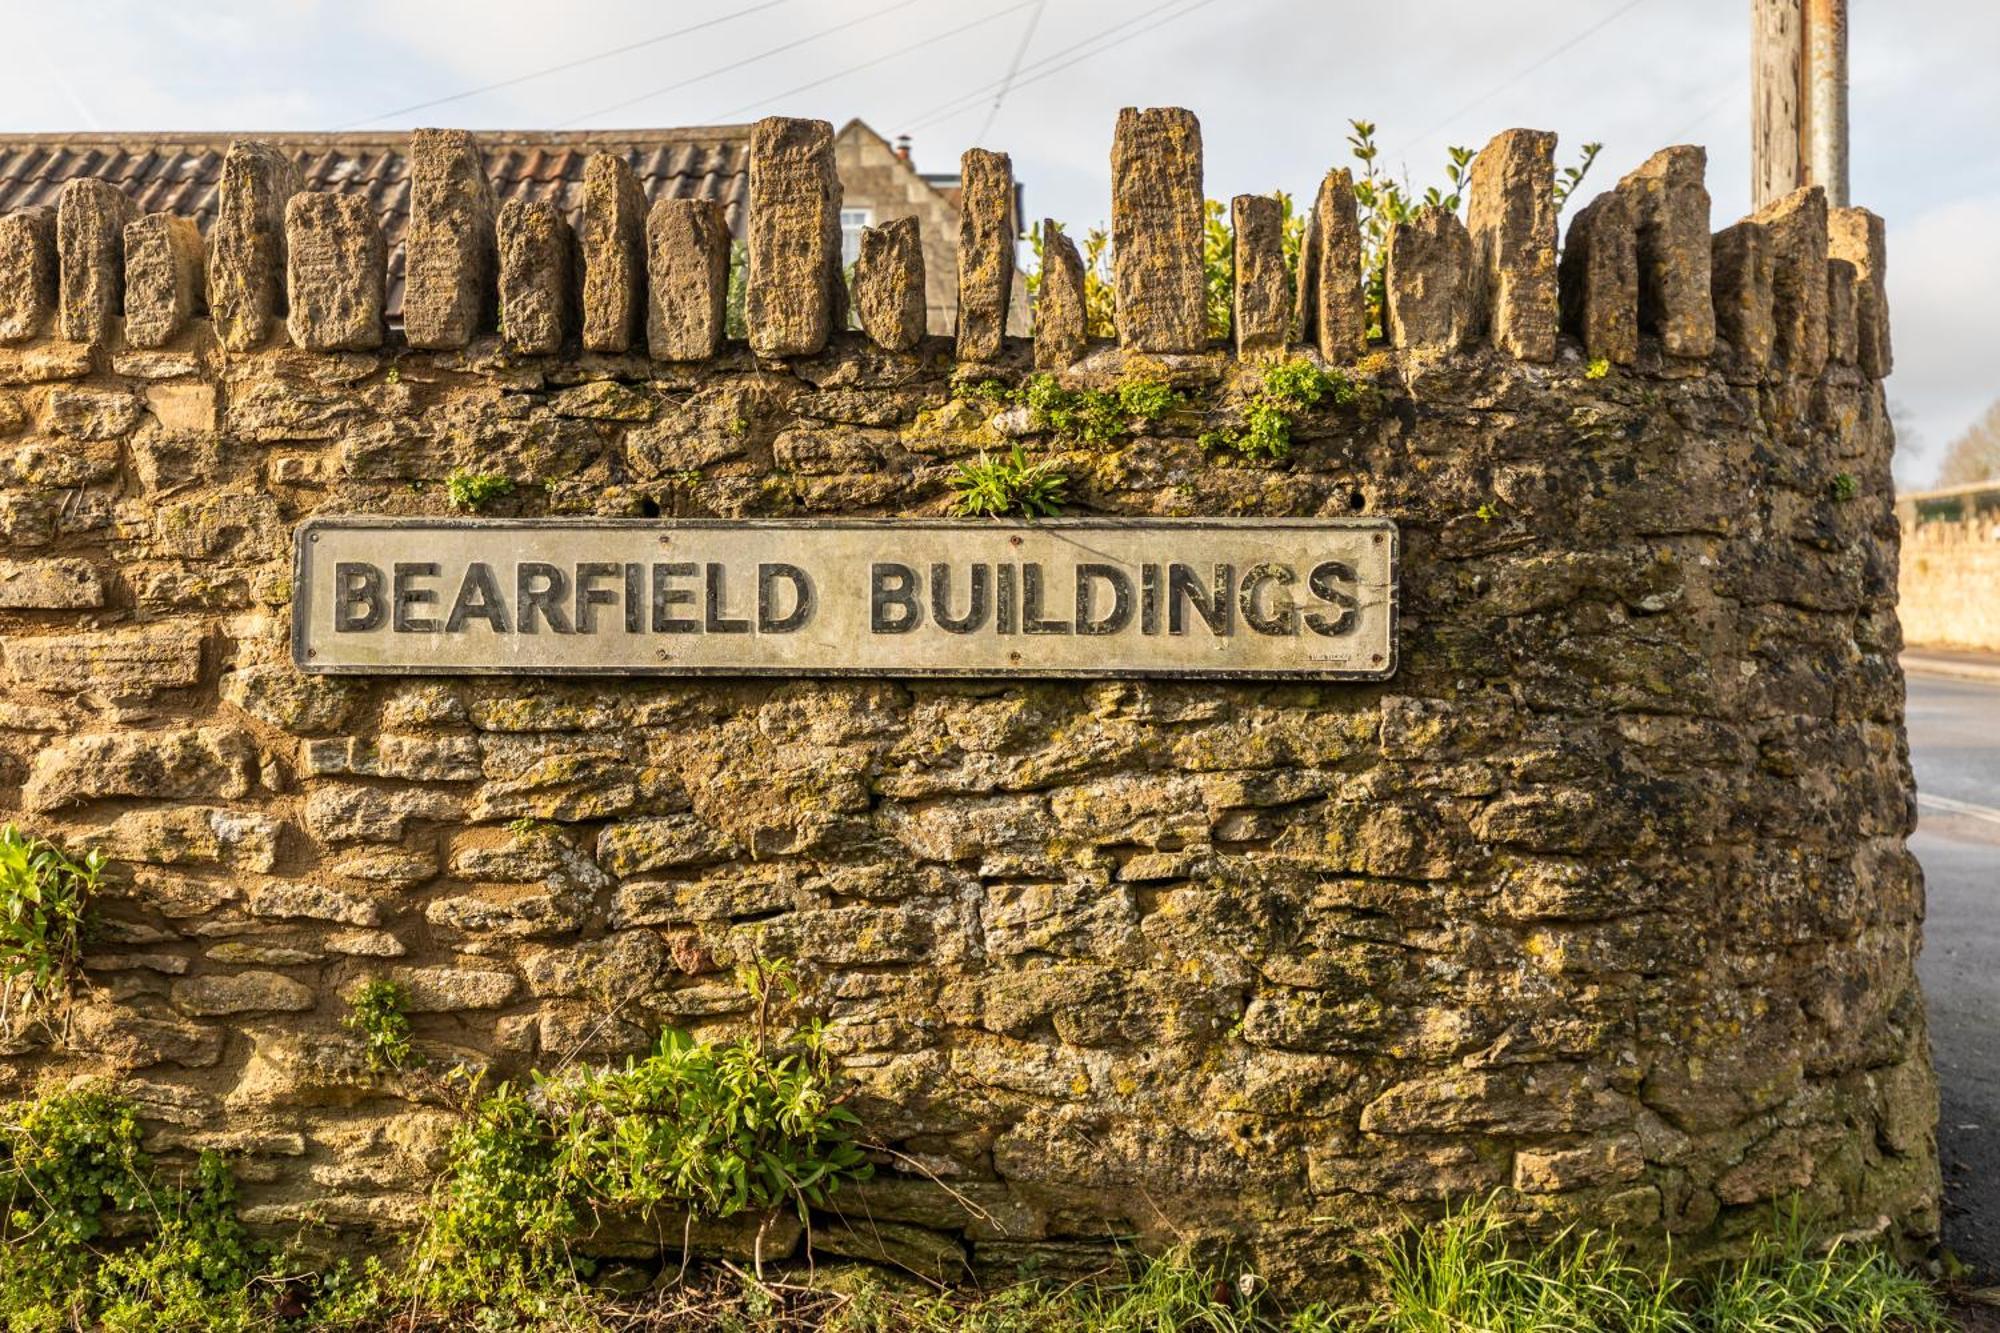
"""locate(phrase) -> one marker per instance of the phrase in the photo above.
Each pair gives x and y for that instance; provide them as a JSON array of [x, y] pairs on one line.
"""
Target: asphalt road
[[1955, 748]]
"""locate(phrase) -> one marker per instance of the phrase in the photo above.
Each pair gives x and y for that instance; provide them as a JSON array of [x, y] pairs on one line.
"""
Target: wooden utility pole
[[1798, 98]]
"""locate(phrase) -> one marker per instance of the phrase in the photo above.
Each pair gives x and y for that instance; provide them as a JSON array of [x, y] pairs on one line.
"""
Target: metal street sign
[[1309, 598]]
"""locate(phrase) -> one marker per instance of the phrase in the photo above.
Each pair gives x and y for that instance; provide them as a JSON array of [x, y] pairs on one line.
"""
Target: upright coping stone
[[537, 252], [1669, 196], [1797, 228], [1261, 308], [449, 261], [90, 245], [165, 278], [986, 234], [1337, 309], [794, 237], [889, 284], [1843, 334], [336, 272], [1156, 230], [28, 273], [1062, 317], [1511, 214], [687, 278], [1858, 236], [614, 264], [1740, 266], [1428, 282], [1599, 278], [246, 246]]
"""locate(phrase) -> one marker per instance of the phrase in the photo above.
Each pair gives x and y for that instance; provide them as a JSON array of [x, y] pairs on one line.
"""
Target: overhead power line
[[1493, 92], [932, 40], [1013, 68], [960, 105], [720, 70], [577, 63]]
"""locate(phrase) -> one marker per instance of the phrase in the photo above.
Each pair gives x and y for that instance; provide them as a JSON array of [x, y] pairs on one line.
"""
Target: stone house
[[179, 173]]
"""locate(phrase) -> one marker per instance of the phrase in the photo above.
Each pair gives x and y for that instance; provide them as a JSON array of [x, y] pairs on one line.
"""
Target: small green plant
[[470, 492], [1787, 1282], [527, 826], [43, 899], [1598, 368], [1486, 512], [379, 1013], [1009, 484], [1289, 389], [1845, 487]]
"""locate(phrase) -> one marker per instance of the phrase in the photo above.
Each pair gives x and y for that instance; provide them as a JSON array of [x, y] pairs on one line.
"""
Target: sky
[[1274, 82]]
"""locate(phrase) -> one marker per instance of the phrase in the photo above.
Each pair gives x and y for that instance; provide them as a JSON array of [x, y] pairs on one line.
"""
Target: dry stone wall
[[1603, 900]]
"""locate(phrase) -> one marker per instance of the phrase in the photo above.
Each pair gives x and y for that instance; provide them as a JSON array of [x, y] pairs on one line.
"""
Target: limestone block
[[1156, 230], [1511, 214], [450, 266], [1305, 290], [246, 247], [28, 273], [1062, 321], [90, 245], [191, 836], [78, 413], [336, 272], [133, 663], [1261, 319], [1843, 342], [1429, 281], [1858, 236], [66, 584], [449, 989], [1599, 279], [165, 277], [208, 762], [1797, 229], [537, 253], [1741, 281], [889, 284], [614, 246], [1669, 199], [1339, 309], [986, 235], [687, 277], [794, 237], [241, 993]]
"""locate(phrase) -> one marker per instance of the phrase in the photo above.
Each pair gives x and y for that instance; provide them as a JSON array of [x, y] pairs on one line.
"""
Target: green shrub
[[43, 898], [1009, 484], [469, 492], [379, 1014], [73, 1175], [1845, 487], [712, 1129]]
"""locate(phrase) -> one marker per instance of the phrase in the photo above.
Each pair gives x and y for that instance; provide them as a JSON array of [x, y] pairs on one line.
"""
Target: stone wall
[[1949, 574], [1604, 899]]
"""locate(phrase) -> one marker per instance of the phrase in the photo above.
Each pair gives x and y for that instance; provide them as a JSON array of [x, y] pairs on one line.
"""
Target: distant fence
[[1950, 589]]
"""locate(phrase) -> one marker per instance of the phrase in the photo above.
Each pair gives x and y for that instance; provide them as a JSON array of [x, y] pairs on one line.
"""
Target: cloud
[[1944, 301]]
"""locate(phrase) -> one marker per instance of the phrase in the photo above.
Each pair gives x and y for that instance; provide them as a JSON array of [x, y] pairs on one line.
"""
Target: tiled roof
[[177, 173]]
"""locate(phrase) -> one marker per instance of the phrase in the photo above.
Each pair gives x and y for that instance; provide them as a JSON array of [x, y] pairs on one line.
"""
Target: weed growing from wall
[[1008, 485], [1290, 389], [470, 492], [378, 1013], [43, 898]]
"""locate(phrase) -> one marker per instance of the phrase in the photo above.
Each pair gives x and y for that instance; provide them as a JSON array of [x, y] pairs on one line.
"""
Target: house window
[[852, 220]]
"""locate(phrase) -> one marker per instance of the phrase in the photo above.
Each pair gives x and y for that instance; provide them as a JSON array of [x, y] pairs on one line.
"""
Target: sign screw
[[312, 652], [1014, 541], [315, 536]]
